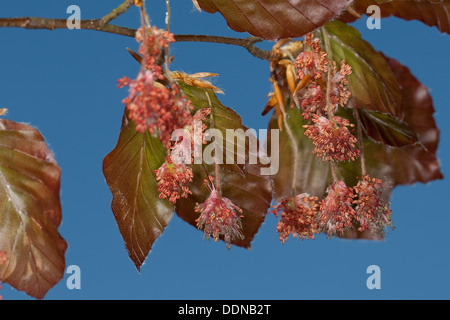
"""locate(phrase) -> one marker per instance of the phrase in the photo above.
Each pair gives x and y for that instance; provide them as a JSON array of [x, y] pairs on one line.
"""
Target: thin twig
[[35, 23], [168, 15], [117, 12], [216, 160], [247, 43], [99, 25]]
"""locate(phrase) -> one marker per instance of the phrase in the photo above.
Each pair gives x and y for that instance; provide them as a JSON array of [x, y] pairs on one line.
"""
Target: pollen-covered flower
[[336, 210], [326, 86], [152, 44], [313, 102], [155, 107], [173, 180], [332, 140], [339, 93], [298, 217], [372, 212], [220, 217], [312, 61]]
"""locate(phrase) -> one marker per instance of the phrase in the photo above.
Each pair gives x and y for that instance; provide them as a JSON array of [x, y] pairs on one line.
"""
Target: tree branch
[[101, 25], [117, 12], [52, 24], [247, 43]]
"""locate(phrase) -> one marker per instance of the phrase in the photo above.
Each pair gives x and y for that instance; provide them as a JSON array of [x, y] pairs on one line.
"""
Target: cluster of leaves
[[400, 140]]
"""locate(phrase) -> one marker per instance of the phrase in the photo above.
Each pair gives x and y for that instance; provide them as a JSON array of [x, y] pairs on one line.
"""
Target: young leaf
[[139, 212], [275, 20], [431, 12], [386, 129], [30, 211], [415, 163], [243, 183], [372, 83]]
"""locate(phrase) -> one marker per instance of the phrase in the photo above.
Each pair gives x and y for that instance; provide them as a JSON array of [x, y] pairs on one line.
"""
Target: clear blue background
[[64, 83]]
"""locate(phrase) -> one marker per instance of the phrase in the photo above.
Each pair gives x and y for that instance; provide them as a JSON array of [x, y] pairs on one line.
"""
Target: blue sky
[[64, 83]]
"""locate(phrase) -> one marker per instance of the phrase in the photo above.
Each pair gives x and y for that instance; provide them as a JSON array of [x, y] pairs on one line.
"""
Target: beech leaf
[[139, 212], [418, 162], [30, 211], [386, 129], [431, 12], [275, 20]]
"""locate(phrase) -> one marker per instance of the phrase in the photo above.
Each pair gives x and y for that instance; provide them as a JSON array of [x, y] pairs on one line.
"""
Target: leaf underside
[[139, 212]]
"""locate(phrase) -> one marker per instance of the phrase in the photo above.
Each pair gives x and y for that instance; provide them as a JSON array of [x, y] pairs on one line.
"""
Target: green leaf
[[372, 83], [139, 212], [432, 13], [243, 184], [275, 20], [30, 211], [385, 129]]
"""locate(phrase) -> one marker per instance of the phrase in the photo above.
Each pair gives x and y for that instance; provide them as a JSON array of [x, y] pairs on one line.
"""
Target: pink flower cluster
[[336, 210], [298, 216], [313, 63], [342, 208], [174, 177], [161, 109], [219, 217], [373, 213], [152, 106], [173, 180], [332, 139]]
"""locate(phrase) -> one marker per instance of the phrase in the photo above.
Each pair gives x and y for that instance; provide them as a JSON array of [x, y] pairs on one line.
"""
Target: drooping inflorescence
[[219, 216], [298, 217], [323, 90], [153, 106], [336, 210], [332, 139], [373, 213]]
